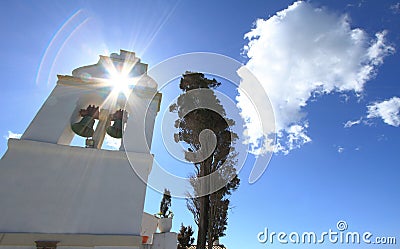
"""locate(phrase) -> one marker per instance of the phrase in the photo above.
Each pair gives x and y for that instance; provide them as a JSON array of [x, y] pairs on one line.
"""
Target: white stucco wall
[[149, 225], [50, 188]]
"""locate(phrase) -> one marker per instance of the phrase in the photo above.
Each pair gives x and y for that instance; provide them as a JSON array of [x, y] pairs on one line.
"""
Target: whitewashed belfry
[[57, 195]]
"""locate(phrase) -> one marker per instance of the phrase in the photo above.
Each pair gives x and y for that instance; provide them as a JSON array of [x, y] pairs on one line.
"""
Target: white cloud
[[345, 98], [388, 111], [12, 135], [395, 8], [302, 52], [340, 149], [291, 138], [382, 137], [350, 123]]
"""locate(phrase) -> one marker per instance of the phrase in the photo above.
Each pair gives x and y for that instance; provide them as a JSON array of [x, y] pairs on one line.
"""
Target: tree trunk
[[210, 240], [204, 206], [211, 217], [203, 223]]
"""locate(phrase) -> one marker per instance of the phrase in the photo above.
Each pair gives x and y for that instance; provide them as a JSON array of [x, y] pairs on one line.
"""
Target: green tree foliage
[[199, 111], [185, 238], [165, 205]]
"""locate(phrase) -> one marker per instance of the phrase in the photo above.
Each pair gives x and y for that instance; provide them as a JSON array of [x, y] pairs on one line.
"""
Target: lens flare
[[120, 83], [119, 76]]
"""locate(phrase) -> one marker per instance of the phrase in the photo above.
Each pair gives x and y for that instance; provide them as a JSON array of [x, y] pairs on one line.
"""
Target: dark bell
[[116, 129], [84, 128]]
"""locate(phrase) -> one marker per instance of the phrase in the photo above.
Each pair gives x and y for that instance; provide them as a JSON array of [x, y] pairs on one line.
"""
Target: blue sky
[[336, 104]]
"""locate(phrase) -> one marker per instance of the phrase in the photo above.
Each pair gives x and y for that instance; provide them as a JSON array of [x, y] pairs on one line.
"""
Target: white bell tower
[[53, 194]]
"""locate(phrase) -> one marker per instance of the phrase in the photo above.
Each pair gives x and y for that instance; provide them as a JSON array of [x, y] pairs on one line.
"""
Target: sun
[[120, 86], [120, 83], [119, 78]]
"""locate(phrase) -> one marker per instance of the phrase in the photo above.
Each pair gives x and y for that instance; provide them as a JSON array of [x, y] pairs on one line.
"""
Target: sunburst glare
[[120, 83], [119, 76]]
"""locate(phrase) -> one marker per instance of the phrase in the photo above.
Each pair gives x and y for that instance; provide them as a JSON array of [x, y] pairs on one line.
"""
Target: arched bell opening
[[85, 120], [115, 130], [85, 128], [99, 128]]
